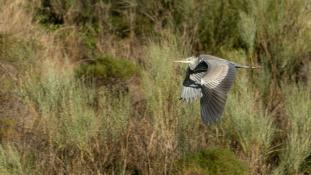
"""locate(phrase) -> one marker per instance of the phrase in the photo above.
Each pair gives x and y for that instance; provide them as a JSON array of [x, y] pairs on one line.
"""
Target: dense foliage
[[89, 87]]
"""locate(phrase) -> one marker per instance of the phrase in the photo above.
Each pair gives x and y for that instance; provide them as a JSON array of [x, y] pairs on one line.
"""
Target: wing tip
[[210, 120]]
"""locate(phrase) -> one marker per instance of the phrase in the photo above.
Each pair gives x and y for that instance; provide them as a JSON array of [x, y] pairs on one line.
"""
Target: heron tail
[[247, 67]]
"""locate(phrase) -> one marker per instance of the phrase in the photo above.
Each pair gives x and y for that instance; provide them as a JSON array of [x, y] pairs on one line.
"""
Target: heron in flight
[[209, 78]]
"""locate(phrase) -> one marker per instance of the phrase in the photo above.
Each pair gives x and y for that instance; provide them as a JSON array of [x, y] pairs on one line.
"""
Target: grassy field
[[90, 87]]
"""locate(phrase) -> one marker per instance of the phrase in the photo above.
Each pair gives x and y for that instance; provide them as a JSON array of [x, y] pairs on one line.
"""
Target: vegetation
[[214, 161], [107, 69], [89, 87]]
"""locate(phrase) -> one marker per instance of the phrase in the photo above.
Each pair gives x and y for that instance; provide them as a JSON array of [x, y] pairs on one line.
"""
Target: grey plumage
[[209, 78]]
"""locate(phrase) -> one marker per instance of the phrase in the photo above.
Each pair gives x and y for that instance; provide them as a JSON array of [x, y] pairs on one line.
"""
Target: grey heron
[[209, 78]]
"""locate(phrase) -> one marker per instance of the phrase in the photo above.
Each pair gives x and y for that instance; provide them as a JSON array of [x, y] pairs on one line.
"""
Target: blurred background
[[89, 87]]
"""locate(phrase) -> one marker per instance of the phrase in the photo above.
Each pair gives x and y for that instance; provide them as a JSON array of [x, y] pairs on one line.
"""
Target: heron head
[[192, 61]]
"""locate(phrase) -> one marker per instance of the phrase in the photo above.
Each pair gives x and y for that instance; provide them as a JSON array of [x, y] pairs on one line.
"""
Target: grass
[[214, 161], [164, 110], [107, 68], [250, 127], [69, 117], [296, 149], [55, 122], [10, 161]]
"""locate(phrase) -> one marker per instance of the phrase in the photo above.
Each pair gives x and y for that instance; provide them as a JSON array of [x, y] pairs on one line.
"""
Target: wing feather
[[191, 88], [189, 93], [215, 85]]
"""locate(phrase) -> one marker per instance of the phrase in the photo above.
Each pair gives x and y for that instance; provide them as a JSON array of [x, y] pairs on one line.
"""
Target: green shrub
[[107, 68], [84, 129], [72, 115], [213, 162], [10, 161], [17, 51], [7, 128], [62, 104], [64, 12], [297, 146], [249, 125]]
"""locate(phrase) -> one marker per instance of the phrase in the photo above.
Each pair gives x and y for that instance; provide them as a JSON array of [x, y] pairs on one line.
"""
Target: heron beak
[[182, 61]]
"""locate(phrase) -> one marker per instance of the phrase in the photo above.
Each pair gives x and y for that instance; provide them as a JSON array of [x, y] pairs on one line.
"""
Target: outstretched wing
[[215, 85]]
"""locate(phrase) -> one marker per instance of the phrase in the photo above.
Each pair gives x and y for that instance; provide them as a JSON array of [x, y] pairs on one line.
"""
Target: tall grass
[[62, 105], [250, 126], [10, 161], [276, 35], [168, 116], [76, 126], [296, 148], [70, 117]]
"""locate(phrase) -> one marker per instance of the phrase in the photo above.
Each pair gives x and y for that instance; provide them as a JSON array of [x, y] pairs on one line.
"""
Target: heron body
[[209, 78]]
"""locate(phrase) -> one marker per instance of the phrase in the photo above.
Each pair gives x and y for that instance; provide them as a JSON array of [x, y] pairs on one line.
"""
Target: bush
[[79, 128], [297, 147], [62, 102], [16, 51], [213, 162], [72, 116], [10, 161], [106, 69], [247, 122]]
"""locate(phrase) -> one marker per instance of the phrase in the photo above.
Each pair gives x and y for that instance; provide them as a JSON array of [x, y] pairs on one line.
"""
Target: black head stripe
[[201, 67]]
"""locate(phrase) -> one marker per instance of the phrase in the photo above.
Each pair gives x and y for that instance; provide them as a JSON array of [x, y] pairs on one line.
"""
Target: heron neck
[[192, 66]]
